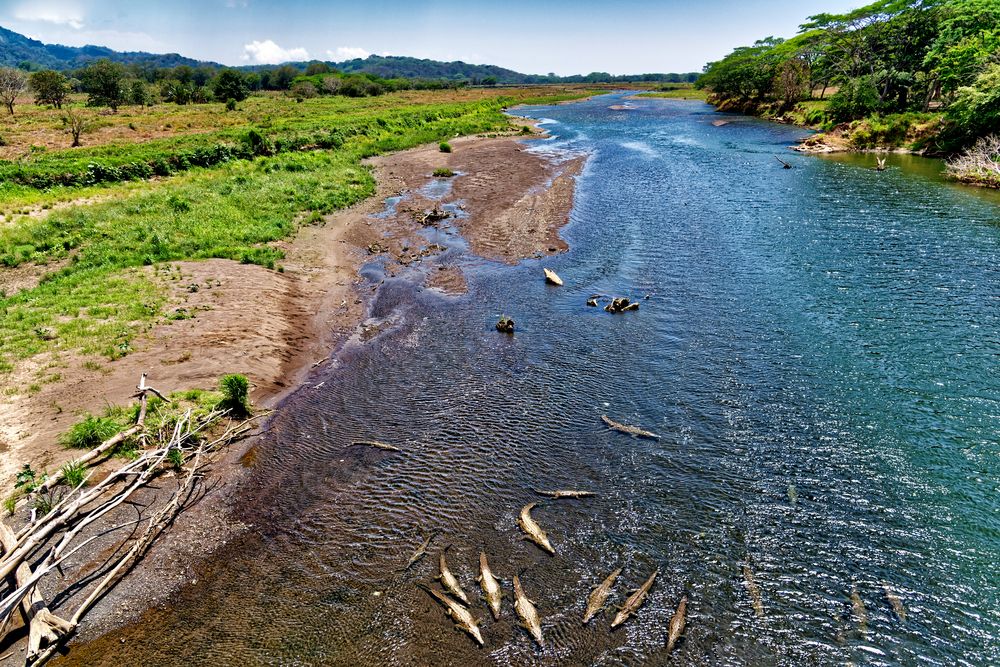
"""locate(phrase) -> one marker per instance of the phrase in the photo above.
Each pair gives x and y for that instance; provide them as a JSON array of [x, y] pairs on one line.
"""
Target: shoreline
[[278, 327]]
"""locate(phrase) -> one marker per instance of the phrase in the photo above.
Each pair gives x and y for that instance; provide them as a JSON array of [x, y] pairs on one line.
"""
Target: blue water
[[820, 353]]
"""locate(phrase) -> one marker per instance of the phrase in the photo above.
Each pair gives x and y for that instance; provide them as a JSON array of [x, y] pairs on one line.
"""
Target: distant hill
[[392, 67], [413, 68], [16, 50]]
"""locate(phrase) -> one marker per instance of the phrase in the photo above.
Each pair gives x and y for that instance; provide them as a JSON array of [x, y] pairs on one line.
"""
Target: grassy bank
[[144, 142], [99, 298], [910, 131], [677, 91]]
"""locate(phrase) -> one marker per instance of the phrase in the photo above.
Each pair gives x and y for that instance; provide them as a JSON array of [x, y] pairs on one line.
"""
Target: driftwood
[[783, 163], [880, 163], [376, 444], [41, 546], [142, 393], [552, 278], [625, 428]]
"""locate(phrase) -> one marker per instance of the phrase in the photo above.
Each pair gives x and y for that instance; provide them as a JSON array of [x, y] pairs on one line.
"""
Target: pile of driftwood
[[36, 547]]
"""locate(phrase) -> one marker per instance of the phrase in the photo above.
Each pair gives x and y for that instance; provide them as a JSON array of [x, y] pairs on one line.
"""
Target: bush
[[978, 164], [815, 117], [176, 457], [445, 147], [90, 432], [230, 104], [856, 98], [443, 172], [73, 474], [257, 143], [235, 395]]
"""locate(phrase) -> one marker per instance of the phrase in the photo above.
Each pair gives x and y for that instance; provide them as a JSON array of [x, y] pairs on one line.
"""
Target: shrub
[[445, 147], [230, 104], [978, 164], [73, 474], [856, 98], [27, 480], [235, 395], [443, 172], [90, 432], [176, 457], [257, 143], [815, 117]]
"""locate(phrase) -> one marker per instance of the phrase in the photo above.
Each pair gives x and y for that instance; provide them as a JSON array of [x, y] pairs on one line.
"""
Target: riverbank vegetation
[[677, 91], [217, 190], [915, 74]]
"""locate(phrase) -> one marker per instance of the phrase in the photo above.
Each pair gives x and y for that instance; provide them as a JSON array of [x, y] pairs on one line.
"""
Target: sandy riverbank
[[275, 327]]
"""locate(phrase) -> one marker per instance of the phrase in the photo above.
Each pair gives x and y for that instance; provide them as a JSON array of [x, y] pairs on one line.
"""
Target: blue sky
[[561, 36]]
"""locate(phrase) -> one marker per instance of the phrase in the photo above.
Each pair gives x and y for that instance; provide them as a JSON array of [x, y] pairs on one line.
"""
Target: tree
[[76, 123], [174, 91], [12, 82], [50, 87], [138, 93], [331, 85], [105, 83], [966, 39], [282, 77], [792, 81], [303, 90], [976, 110], [201, 94], [317, 68], [230, 85]]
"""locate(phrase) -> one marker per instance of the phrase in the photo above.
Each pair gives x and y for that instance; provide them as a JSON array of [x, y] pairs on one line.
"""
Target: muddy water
[[819, 353]]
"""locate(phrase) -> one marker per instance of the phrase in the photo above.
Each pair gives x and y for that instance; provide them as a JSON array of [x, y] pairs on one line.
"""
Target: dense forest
[[16, 50], [900, 62]]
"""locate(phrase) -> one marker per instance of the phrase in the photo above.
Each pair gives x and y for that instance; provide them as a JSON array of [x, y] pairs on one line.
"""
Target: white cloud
[[269, 53], [59, 13], [347, 53]]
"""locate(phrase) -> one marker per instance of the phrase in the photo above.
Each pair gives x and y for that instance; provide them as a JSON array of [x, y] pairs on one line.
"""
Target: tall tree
[[12, 83], [105, 82], [50, 87], [230, 85]]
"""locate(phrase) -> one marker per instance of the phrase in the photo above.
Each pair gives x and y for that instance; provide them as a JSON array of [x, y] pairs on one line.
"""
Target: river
[[819, 352]]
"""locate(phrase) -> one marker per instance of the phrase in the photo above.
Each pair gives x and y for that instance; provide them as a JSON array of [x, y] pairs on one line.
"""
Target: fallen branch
[[156, 524], [43, 545]]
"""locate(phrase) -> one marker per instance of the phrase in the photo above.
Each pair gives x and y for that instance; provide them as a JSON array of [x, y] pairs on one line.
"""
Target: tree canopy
[[890, 56], [50, 87]]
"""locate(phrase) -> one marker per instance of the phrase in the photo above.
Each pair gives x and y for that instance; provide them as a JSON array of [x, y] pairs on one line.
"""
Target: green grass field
[[677, 91], [98, 301]]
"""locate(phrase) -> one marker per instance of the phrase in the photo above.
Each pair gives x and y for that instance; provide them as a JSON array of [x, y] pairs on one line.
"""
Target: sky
[[559, 36]]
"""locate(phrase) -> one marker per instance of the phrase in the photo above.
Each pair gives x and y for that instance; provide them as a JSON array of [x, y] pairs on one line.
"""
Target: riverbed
[[817, 347]]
